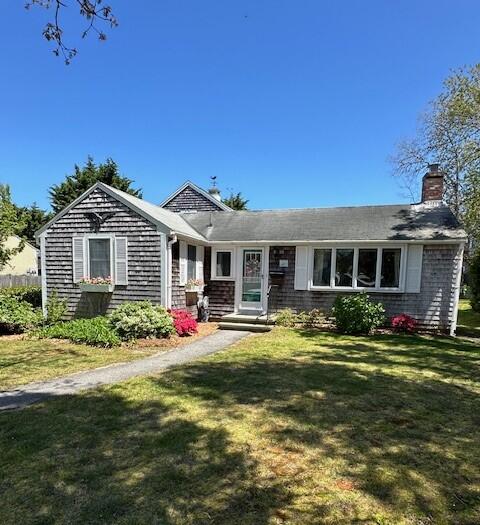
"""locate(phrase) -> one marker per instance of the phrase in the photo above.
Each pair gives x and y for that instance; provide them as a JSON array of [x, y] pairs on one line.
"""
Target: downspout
[[456, 300], [171, 241], [43, 272]]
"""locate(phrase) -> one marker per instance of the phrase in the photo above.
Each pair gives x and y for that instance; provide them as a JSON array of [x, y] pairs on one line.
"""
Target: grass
[[292, 427], [26, 360], [468, 320]]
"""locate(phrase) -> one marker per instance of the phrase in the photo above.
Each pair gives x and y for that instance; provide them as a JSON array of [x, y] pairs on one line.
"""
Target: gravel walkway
[[35, 392]]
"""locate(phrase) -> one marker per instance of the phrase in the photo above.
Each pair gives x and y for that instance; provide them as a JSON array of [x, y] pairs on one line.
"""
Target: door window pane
[[390, 277], [322, 265], [344, 267], [252, 276], [192, 262], [367, 268], [99, 253], [224, 264]]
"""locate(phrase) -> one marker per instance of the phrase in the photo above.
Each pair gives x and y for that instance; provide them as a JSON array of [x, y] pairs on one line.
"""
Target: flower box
[[97, 288], [194, 289]]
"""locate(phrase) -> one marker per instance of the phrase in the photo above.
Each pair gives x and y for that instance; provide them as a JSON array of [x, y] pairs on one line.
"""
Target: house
[[24, 262], [409, 257]]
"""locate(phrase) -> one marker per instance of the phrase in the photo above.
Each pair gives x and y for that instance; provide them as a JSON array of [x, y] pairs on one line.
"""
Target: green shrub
[[287, 318], [141, 319], [313, 319], [474, 281], [29, 294], [17, 316], [56, 308], [356, 314], [94, 332]]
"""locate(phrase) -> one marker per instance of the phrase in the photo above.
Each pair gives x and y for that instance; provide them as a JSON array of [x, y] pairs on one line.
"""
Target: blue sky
[[293, 103]]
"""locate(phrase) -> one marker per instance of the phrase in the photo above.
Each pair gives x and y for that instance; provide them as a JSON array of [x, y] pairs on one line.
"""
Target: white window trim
[[112, 251], [355, 287], [214, 276], [194, 261]]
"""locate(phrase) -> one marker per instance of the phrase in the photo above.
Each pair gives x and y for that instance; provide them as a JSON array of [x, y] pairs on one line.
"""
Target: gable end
[[190, 197]]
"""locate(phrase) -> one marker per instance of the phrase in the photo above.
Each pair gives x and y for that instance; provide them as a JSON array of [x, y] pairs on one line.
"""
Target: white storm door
[[252, 279]]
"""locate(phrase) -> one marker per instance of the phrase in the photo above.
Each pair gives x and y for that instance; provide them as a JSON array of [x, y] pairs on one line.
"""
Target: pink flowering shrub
[[184, 323], [404, 323]]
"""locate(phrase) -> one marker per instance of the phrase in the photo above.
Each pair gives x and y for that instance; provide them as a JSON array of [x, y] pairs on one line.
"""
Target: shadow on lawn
[[98, 459], [166, 453], [412, 442]]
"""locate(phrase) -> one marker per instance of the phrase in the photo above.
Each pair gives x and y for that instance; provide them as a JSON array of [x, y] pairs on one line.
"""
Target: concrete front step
[[244, 327], [248, 319]]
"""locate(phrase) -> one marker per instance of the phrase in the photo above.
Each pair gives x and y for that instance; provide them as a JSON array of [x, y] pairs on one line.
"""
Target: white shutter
[[78, 251], [121, 260], [301, 267], [200, 254], [183, 263], [414, 268]]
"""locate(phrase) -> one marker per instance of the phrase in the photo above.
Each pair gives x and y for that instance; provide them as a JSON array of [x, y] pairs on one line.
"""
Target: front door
[[251, 282]]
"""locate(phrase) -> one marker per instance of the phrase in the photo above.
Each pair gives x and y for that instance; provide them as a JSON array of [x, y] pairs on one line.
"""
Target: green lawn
[[296, 427], [26, 360], [468, 320]]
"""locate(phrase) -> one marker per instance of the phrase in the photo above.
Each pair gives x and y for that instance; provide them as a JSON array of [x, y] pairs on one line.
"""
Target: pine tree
[[61, 195]]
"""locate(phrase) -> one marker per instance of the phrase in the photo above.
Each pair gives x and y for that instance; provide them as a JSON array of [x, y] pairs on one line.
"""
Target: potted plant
[[194, 285], [97, 284]]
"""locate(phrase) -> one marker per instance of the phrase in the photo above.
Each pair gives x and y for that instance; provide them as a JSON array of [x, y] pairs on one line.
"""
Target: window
[[374, 268], [223, 264], [390, 273], [344, 267], [322, 267], [99, 258], [192, 262], [367, 268]]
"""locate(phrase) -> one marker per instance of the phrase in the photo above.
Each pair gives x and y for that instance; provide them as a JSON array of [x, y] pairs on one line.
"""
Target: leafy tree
[[472, 206], [10, 224], [474, 281], [94, 13], [448, 134], [236, 201], [73, 186], [33, 218]]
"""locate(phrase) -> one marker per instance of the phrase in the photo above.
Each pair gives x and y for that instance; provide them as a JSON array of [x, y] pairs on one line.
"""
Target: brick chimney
[[432, 188]]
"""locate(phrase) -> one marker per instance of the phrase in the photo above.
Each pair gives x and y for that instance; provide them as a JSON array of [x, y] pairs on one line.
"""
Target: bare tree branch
[[93, 11]]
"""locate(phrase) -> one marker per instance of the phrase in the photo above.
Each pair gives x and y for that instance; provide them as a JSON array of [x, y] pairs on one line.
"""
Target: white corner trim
[[43, 270], [456, 298], [164, 256], [199, 190]]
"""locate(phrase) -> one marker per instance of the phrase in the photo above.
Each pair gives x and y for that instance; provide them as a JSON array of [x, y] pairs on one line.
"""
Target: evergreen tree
[[33, 218], [61, 195], [236, 201]]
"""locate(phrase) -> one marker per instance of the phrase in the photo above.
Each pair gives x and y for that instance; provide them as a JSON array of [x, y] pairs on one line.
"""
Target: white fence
[[7, 281]]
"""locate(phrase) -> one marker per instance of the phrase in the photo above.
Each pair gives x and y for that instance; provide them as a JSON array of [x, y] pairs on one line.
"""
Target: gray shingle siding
[[179, 296], [221, 293], [432, 307], [144, 256], [190, 200]]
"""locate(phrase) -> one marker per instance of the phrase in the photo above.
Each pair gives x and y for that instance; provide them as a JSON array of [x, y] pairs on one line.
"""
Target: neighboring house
[[24, 262], [409, 257]]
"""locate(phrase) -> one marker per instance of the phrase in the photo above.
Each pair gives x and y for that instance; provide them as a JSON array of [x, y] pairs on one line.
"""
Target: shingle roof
[[393, 222], [171, 220]]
